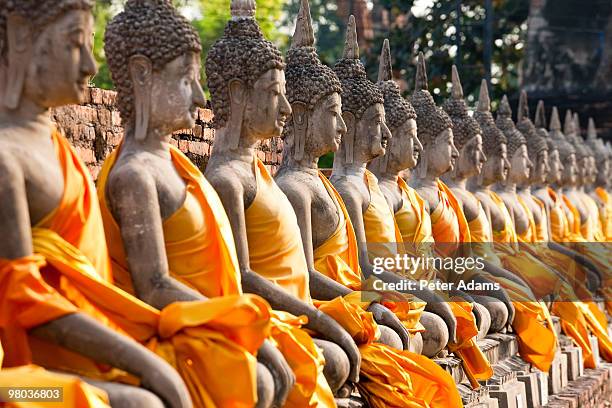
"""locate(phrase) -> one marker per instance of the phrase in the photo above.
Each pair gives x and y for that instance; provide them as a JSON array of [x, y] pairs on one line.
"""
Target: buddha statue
[[407, 207], [246, 79], [449, 226], [53, 260], [582, 161], [149, 187], [537, 150], [542, 190], [315, 127]]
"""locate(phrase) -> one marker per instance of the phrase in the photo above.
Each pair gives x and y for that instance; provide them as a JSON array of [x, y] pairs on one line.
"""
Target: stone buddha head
[[315, 126], [153, 55], [555, 167], [434, 129], [403, 149], [494, 142], [537, 148], [246, 79], [363, 111], [45, 53], [466, 131], [520, 164], [601, 155], [567, 153], [572, 134]]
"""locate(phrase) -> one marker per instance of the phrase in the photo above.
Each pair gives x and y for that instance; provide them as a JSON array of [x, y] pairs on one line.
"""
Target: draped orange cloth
[[382, 233], [275, 245], [346, 315], [390, 377], [532, 322], [450, 227], [338, 257], [605, 212], [201, 254], [69, 273], [414, 223]]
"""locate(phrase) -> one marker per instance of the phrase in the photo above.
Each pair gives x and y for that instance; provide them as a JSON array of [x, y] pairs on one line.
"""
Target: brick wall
[[94, 129]]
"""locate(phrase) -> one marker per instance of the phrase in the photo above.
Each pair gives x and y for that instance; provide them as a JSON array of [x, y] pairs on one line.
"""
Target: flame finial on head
[[523, 108], [420, 83], [484, 102], [568, 125], [592, 130], [555, 122], [504, 107], [304, 34], [242, 9], [351, 46], [457, 89], [540, 116], [385, 71]]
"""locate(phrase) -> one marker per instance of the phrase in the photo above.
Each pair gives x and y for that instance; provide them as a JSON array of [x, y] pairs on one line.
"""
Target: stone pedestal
[[554, 375], [574, 360]]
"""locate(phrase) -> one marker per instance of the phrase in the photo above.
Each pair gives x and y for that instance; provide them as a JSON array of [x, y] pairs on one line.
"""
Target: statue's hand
[[330, 330], [385, 317], [160, 378], [284, 379]]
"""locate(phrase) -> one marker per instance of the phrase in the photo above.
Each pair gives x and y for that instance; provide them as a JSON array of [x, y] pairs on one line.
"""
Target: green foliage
[[435, 35]]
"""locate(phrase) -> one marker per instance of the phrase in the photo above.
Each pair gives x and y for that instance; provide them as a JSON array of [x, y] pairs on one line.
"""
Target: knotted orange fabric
[[390, 377], [198, 338], [201, 254], [449, 226]]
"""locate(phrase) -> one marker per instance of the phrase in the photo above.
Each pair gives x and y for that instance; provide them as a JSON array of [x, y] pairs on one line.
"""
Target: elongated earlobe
[[141, 70], [19, 52], [348, 141], [300, 127], [238, 94]]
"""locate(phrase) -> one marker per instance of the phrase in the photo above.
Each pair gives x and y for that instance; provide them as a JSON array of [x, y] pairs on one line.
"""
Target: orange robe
[[605, 212], [574, 321], [532, 322], [284, 240], [450, 229], [69, 273], [201, 254]]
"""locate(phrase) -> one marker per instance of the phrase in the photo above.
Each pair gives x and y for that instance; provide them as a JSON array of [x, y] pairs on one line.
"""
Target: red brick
[[104, 116], [197, 131], [205, 115], [109, 98], [208, 134], [268, 157], [115, 118], [174, 142], [261, 155], [199, 148]]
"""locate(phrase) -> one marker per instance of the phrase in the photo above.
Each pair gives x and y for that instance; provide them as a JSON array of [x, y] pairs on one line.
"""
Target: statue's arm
[[76, 331], [14, 215], [321, 286], [231, 194], [134, 203], [84, 335], [435, 304]]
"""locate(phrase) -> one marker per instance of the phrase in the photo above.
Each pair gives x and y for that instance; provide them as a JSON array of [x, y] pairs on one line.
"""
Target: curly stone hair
[[241, 53], [505, 124], [397, 109], [358, 92], [38, 12], [152, 28], [308, 80], [535, 143]]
